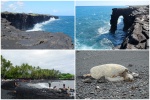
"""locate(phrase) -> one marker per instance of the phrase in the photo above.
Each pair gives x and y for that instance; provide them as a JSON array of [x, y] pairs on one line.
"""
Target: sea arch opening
[[120, 23]]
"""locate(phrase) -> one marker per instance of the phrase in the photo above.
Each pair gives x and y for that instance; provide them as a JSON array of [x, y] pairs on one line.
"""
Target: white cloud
[[30, 11], [12, 7], [111, 2], [54, 11], [62, 60], [20, 3]]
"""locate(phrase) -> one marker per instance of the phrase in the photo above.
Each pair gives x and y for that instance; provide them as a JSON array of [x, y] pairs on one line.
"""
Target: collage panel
[[112, 75], [37, 25], [36, 74], [75, 49], [112, 25]]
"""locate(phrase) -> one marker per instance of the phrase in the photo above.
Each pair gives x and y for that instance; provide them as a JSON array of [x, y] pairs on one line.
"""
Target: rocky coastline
[[136, 24], [27, 92], [24, 21], [14, 36]]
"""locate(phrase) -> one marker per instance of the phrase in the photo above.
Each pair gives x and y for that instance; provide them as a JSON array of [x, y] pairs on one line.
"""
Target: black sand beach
[[23, 91], [135, 61]]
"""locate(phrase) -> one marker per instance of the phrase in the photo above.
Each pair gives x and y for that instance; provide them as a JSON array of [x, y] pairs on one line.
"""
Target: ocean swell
[[38, 26]]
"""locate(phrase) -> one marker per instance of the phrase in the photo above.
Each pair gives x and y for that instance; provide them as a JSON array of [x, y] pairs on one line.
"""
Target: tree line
[[8, 71]]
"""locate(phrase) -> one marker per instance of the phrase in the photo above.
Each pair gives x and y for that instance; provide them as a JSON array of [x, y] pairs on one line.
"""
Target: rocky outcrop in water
[[12, 38], [24, 21], [136, 24]]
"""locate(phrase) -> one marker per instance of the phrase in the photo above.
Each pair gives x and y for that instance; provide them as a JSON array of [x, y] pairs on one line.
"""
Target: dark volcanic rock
[[34, 93], [24, 21], [12, 38], [8, 85], [125, 12], [136, 23], [26, 92], [88, 80]]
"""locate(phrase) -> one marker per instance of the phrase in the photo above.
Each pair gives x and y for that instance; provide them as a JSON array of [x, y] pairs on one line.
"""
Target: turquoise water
[[92, 28]]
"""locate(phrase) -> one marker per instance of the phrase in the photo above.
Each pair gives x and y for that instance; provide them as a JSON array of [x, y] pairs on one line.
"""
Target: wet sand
[[135, 61]]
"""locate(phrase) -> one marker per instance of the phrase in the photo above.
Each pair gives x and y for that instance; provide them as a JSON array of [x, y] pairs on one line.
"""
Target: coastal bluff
[[14, 36], [25, 21], [136, 24]]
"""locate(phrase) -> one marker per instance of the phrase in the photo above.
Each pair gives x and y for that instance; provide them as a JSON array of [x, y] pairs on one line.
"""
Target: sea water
[[58, 84], [93, 25], [65, 24]]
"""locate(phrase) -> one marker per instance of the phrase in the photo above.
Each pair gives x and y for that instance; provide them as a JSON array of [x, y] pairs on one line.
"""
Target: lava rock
[[136, 24]]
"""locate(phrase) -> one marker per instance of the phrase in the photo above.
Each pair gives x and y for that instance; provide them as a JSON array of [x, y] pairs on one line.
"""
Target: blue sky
[[112, 3], [41, 7], [62, 60]]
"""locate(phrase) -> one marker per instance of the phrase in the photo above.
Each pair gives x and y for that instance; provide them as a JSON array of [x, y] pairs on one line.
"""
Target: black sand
[[135, 61], [10, 91]]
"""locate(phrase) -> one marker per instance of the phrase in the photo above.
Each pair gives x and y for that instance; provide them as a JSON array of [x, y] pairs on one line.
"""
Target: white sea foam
[[120, 19], [85, 47], [80, 46], [38, 85], [106, 43], [38, 26], [120, 23], [43, 85], [103, 30]]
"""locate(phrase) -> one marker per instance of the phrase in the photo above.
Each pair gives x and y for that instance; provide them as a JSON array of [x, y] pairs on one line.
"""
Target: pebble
[[102, 80], [88, 80], [91, 92], [97, 87]]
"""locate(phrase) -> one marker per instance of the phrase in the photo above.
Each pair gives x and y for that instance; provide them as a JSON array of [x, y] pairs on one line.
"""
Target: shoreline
[[136, 24], [12, 38], [23, 91]]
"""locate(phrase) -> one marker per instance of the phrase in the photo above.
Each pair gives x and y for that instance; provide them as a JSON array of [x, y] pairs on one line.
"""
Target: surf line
[[38, 26]]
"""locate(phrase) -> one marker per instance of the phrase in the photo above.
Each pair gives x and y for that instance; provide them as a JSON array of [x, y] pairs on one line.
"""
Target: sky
[[63, 8], [62, 60], [111, 3]]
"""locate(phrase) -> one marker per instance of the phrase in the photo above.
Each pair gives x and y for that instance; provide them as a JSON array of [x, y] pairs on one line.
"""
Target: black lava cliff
[[13, 35], [136, 24], [24, 21]]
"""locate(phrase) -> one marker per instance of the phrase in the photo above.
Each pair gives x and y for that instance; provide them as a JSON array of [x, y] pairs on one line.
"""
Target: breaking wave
[[38, 26]]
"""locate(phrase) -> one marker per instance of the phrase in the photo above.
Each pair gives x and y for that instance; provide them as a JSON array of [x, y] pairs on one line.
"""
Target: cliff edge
[[13, 35], [136, 24], [24, 21]]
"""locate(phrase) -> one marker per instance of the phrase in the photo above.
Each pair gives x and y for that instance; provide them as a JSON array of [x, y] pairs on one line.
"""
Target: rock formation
[[23, 91], [12, 38], [136, 24], [24, 21]]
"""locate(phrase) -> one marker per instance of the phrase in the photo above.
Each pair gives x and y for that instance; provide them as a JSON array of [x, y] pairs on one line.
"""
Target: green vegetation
[[8, 71], [32, 14], [66, 76]]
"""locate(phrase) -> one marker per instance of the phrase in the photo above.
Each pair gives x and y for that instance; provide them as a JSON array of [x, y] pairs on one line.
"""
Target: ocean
[[58, 84], [93, 25], [65, 24]]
